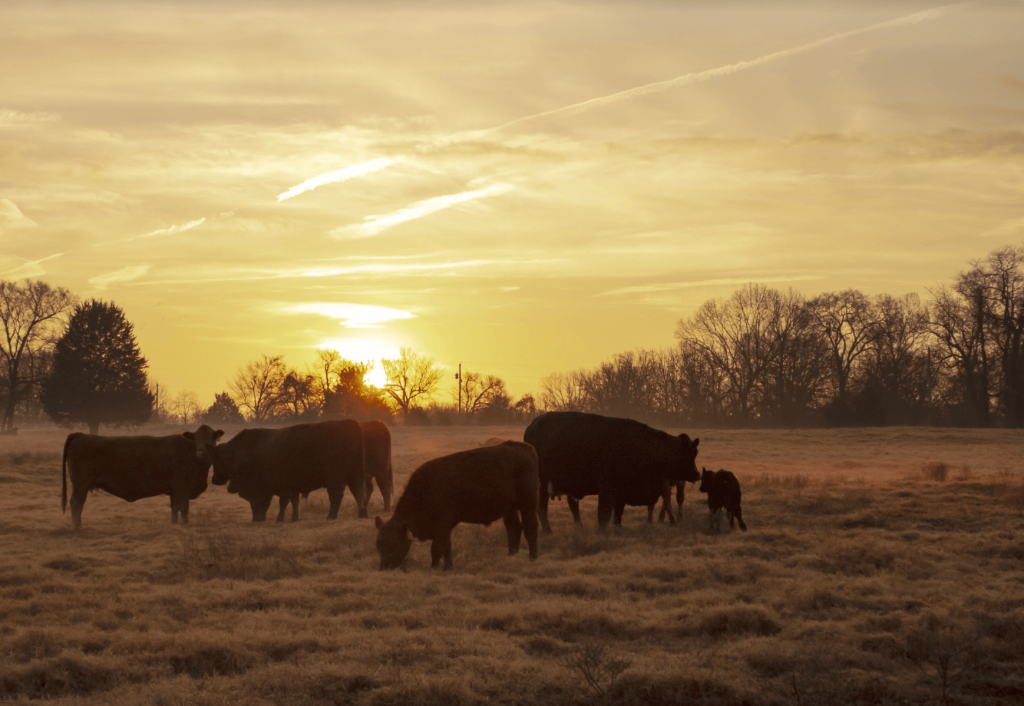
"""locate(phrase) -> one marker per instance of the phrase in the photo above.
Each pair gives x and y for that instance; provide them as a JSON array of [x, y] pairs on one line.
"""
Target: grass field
[[882, 566]]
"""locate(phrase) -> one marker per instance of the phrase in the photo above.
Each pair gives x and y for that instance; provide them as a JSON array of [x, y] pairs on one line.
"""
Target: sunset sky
[[521, 187]]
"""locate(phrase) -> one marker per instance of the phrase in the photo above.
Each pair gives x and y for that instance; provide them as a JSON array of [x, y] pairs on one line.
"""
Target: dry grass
[[862, 580]]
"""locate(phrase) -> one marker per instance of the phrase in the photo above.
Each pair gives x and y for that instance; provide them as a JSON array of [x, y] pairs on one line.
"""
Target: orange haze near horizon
[[521, 187]]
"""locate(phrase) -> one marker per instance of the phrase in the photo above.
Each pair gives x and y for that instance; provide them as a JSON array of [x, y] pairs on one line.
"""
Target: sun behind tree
[[99, 375]]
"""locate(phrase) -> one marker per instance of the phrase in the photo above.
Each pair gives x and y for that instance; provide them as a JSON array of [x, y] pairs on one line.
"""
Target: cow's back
[[477, 486]]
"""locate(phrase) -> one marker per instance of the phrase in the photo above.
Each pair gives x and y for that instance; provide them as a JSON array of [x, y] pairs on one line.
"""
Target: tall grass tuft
[[230, 556]]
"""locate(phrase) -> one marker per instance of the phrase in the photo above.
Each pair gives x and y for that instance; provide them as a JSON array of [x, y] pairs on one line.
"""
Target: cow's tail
[[64, 475]]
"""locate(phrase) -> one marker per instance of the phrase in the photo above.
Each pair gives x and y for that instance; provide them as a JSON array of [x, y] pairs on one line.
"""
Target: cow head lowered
[[393, 543], [689, 472]]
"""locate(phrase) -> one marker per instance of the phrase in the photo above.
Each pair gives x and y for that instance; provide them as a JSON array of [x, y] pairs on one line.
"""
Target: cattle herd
[[571, 454]]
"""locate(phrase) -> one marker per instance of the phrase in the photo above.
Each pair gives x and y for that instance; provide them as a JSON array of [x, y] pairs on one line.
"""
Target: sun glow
[[364, 350]]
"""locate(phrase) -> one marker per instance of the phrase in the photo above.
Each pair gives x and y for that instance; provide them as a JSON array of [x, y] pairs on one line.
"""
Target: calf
[[478, 486], [723, 492]]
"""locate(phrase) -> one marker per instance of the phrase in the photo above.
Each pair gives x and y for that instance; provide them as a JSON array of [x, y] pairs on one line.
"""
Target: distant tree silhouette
[[224, 410], [31, 314], [564, 392], [99, 375], [410, 376], [258, 386], [848, 323]]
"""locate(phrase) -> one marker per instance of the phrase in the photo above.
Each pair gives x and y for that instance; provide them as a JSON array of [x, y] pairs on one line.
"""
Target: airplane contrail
[[709, 74], [343, 174]]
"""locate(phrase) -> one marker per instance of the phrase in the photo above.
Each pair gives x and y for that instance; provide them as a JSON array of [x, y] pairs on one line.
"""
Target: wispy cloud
[[125, 274], [350, 172], [699, 76], [28, 269], [11, 215], [724, 282], [374, 225], [351, 315], [169, 231], [17, 118]]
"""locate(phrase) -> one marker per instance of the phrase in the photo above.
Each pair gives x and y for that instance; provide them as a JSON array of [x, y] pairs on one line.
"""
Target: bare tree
[[848, 322], [185, 407], [794, 380], [300, 395], [958, 324], [624, 385], [736, 336], [410, 376], [31, 316], [1003, 275], [257, 387], [479, 391], [564, 392]]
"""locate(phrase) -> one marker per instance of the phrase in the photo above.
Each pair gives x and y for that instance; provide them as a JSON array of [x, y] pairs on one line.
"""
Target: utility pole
[[458, 376]]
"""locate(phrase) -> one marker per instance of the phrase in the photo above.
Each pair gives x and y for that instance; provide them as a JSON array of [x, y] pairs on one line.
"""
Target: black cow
[[261, 463], [666, 503], [622, 461], [723, 492], [135, 467], [478, 486]]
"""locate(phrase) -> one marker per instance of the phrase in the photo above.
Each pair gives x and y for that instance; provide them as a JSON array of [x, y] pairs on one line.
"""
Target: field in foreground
[[882, 566]]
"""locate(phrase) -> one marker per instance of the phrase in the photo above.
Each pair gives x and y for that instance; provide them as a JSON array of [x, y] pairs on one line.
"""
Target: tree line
[[776, 358], [762, 356]]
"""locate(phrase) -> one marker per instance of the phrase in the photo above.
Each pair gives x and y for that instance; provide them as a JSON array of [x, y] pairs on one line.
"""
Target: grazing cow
[[134, 467], [622, 461], [377, 448], [261, 463], [478, 486], [723, 492]]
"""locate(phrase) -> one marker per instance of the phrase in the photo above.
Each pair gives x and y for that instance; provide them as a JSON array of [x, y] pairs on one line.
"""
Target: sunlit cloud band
[[374, 225], [351, 315], [355, 170]]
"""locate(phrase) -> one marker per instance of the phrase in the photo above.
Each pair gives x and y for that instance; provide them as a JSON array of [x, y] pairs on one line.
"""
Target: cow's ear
[[379, 522], [217, 434], [695, 442], [189, 435]]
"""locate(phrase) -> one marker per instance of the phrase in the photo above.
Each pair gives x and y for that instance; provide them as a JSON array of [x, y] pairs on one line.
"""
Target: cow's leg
[[542, 503], [650, 514], [259, 508], [680, 495], [514, 530], [739, 519], [77, 503], [530, 530], [295, 507], [362, 496], [620, 507], [605, 504], [387, 489], [731, 525], [183, 509], [441, 547], [666, 504], [574, 507], [282, 502], [335, 495]]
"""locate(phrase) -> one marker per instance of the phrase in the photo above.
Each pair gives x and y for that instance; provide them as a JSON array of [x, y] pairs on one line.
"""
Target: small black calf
[[723, 491]]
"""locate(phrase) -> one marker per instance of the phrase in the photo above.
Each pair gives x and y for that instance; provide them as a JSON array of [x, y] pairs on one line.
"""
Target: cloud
[[28, 269], [374, 225], [351, 315], [125, 274], [16, 118], [724, 282], [355, 170], [11, 216], [700, 76], [168, 231]]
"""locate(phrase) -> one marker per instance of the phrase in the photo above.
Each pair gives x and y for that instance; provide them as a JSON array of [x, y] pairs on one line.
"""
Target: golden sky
[[521, 187]]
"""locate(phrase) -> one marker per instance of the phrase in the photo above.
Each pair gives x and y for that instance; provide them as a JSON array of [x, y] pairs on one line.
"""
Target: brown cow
[[479, 486], [377, 459], [261, 463], [134, 467]]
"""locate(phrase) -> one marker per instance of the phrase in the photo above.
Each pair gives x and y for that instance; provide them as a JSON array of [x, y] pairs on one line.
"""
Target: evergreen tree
[[99, 375], [224, 410]]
